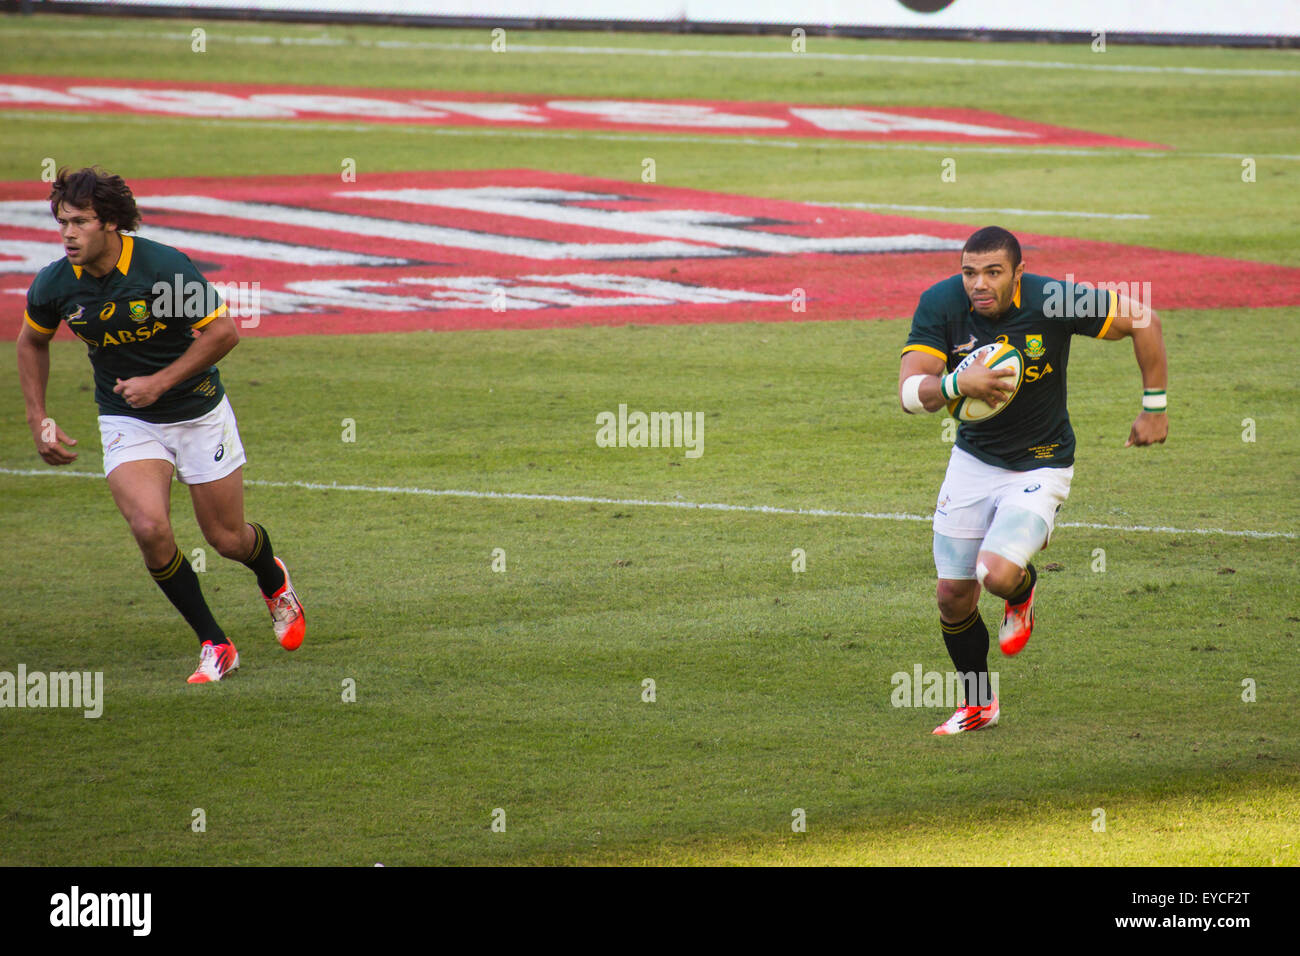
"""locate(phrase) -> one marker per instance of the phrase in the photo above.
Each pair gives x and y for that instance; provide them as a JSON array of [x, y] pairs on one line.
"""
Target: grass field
[[523, 690]]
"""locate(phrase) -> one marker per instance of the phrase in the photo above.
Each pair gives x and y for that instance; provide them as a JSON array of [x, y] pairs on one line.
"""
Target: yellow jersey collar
[[123, 257]]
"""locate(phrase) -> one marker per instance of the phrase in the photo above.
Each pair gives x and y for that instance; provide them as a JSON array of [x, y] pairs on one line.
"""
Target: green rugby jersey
[[136, 320], [1033, 430]]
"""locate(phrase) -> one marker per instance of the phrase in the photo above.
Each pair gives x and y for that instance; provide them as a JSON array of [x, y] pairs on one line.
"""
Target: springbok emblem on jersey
[[967, 347]]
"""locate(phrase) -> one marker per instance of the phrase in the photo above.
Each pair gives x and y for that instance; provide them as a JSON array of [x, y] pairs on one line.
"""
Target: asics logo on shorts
[[1032, 488], [221, 451]]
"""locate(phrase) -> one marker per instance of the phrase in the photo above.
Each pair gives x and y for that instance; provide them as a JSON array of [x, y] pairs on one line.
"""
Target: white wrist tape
[[948, 386], [912, 394]]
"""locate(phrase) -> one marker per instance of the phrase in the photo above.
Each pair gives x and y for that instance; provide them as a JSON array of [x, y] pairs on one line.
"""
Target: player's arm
[[919, 387], [34, 376], [218, 337], [928, 367], [1142, 325]]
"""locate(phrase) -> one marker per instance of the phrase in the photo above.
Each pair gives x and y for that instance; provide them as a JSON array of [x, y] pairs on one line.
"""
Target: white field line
[[536, 48], [1016, 212], [647, 503], [721, 139]]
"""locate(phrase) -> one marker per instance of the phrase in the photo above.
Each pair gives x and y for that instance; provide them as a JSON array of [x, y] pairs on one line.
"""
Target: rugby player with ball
[[991, 344]]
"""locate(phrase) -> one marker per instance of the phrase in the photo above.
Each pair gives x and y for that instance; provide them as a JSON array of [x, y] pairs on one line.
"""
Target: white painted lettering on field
[[35, 214], [722, 230], [440, 293], [381, 228], [17, 93], [492, 112], [25, 256], [664, 114], [290, 103], [186, 102], [287, 104], [873, 121]]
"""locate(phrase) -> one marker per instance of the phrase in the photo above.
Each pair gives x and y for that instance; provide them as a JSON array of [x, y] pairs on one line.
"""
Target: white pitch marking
[[885, 58], [648, 503], [324, 41], [1016, 212]]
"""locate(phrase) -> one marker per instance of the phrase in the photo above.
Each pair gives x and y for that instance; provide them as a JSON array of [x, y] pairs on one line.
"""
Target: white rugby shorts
[[973, 491], [201, 449]]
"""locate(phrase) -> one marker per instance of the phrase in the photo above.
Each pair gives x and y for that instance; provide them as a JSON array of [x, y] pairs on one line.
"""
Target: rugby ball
[[994, 355]]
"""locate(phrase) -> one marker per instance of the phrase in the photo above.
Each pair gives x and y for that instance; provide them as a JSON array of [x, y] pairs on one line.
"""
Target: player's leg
[[1008, 577], [964, 633], [1005, 569], [142, 491], [210, 461], [219, 509], [1021, 527], [961, 517]]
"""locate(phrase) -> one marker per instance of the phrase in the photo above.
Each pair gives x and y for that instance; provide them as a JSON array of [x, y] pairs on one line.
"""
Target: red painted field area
[[527, 249], [530, 111]]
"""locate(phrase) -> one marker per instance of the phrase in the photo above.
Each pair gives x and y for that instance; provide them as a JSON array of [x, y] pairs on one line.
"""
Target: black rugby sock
[[181, 585], [968, 646], [262, 562], [1027, 585]]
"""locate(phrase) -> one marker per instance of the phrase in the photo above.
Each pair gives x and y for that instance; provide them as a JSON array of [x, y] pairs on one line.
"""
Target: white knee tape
[[981, 572], [1016, 535]]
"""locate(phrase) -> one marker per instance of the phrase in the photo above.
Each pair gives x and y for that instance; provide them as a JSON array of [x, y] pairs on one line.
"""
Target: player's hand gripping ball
[[996, 355]]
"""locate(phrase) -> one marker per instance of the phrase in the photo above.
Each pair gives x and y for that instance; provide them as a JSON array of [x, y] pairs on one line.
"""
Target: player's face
[[87, 242], [990, 280]]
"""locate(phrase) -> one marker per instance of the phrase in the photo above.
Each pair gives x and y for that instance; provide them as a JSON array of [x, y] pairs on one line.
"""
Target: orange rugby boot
[[286, 613], [215, 662], [1017, 625], [969, 718]]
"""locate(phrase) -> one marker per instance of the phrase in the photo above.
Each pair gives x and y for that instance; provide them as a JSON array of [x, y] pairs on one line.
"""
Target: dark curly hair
[[93, 188]]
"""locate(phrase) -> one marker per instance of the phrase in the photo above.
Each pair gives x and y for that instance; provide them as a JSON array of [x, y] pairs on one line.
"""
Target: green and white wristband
[[948, 386], [1154, 400]]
